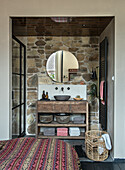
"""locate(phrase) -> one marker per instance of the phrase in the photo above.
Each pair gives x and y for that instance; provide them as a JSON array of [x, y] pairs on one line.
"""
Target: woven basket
[[95, 145], [62, 118], [46, 118]]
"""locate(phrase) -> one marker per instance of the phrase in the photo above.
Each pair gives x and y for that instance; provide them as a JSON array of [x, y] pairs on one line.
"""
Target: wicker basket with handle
[[95, 145]]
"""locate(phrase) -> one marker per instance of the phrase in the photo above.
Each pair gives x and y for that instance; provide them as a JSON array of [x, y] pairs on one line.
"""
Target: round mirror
[[62, 66]]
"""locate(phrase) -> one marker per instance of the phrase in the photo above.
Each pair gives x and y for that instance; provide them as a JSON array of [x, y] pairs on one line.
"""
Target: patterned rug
[[35, 154]]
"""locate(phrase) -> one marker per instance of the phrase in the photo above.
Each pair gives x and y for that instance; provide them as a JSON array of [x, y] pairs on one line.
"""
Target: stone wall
[[86, 50]]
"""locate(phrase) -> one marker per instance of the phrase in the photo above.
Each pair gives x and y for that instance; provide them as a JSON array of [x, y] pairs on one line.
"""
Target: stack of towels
[[49, 132], [74, 131], [78, 119], [62, 131]]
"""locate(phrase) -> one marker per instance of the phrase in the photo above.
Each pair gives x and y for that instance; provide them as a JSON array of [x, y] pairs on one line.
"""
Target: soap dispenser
[[46, 95], [43, 95]]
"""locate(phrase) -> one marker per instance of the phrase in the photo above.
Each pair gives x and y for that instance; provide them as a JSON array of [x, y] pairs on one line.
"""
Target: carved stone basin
[[62, 97]]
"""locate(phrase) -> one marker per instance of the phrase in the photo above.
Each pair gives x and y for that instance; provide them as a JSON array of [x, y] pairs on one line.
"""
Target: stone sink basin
[[62, 97]]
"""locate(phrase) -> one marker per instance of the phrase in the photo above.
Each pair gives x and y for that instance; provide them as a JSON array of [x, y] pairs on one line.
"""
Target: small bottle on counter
[[43, 95], [47, 95]]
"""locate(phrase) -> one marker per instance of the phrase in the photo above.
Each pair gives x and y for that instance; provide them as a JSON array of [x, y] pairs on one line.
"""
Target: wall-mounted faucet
[[56, 88], [62, 89]]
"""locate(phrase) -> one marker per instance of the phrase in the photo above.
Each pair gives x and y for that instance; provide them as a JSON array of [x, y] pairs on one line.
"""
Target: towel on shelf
[[107, 141], [79, 122], [62, 131], [74, 134], [78, 119], [102, 92], [74, 131], [49, 132]]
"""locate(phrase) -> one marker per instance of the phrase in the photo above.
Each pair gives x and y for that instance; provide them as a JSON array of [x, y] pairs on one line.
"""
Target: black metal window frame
[[24, 95]]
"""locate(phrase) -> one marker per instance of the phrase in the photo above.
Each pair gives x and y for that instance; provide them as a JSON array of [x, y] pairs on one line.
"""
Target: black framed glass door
[[18, 87]]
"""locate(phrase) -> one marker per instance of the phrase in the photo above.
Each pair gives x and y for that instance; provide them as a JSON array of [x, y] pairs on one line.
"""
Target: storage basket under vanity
[[62, 117], [46, 118], [95, 145]]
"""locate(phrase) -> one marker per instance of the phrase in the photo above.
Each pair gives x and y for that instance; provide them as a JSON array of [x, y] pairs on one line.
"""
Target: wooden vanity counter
[[53, 107]]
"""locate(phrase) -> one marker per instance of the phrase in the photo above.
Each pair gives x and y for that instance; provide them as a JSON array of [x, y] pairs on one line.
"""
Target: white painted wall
[[66, 8]]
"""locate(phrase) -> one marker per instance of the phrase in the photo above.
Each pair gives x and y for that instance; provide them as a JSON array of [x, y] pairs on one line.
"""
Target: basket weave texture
[[62, 119], [95, 145], [46, 118]]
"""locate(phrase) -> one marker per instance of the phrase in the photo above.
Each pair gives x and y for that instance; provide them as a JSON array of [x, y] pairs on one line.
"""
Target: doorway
[[44, 36], [18, 87]]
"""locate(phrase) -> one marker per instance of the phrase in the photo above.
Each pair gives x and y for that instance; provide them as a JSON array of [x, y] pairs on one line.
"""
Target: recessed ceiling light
[[61, 19]]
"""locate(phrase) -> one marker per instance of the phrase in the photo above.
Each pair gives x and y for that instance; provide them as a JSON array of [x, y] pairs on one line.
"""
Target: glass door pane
[[18, 87], [15, 57], [15, 90], [15, 121]]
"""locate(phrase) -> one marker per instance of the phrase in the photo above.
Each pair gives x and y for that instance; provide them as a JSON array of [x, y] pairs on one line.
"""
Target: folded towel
[[78, 118], [102, 92], [49, 134], [107, 141], [51, 130], [79, 122], [74, 134], [74, 129], [78, 132]]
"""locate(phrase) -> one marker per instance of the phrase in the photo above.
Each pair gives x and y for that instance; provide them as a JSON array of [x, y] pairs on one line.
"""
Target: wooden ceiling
[[45, 26]]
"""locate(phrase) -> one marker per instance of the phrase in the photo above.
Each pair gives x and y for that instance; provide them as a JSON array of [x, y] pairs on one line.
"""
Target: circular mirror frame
[[57, 66]]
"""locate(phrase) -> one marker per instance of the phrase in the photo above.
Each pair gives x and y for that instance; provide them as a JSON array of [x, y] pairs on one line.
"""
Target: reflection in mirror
[[59, 65]]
